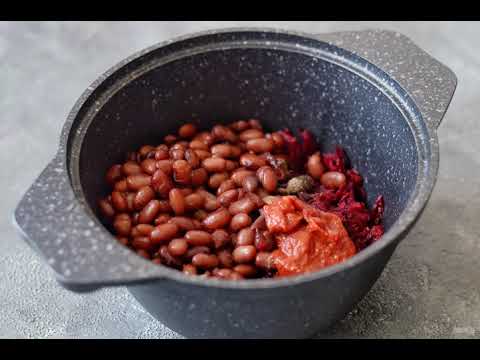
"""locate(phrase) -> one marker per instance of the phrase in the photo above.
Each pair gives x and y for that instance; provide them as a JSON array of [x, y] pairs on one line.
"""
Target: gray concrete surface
[[430, 289]]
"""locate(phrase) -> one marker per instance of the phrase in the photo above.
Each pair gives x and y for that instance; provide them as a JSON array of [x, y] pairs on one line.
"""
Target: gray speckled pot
[[374, 92]]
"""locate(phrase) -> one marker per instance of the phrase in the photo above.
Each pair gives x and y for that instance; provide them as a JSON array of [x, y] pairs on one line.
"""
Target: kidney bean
[[217, 219], [255, 124], [183, 223], [121, 186], [131, 168], [192, 158], [251, 134], [333, 179], [198, 145], [200, 215], [231, 165], [122, 224], [214, 164], [217, 179], [194, 201], [223, 133], [244, 205], [137, 181], [149, 166], [264, 240], [118, 201], [211, 202], [199, 238], [315, 166], [245, 270], [164, 232], [199, 177], [182, 172], [221, 238], [260, 145], [264, 260], [114, 174], [252, 161], [166, 166], [162, 154], [250, 183], [143, 253], [239, 126], [170, 139], [161, 183], [278, 142], [144, 150], [177, 247], [196, 250], [144, 229], [177, 201], [267, 178], [134, 232], [187, 131], [143, 197], [135, 216], [240, 221], [162, 219], [106, 208], [240, 174], [189, 269], [244, 254], [130, 198], [221, 150], [206, 137], [165, 206], [177, 153], [225, 186], [167, 258], [202, 154], [149, 212], [245, 237], [205, 261], [262, 193], [236, 151], [186, 191], [142, 242]]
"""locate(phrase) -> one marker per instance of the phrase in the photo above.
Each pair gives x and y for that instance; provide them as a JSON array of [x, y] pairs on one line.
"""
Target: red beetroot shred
[[349, 202]]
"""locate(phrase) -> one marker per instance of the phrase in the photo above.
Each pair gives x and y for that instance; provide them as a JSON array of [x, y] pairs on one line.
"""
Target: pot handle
[[64, 232], [430, 83]]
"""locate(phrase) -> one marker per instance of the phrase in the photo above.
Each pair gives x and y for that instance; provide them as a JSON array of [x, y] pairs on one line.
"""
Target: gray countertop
[[431, 287]]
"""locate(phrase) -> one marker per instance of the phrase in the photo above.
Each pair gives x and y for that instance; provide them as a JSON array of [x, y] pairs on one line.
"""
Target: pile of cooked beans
[[194, 202]]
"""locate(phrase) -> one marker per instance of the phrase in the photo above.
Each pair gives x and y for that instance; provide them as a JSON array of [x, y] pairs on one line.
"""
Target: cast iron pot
[[374, 92]]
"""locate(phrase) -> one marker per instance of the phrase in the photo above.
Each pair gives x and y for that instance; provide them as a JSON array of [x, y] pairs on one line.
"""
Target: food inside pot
[[238, 202]]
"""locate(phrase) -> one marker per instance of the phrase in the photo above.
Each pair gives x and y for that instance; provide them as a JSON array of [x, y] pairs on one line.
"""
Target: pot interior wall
[[283, 89]]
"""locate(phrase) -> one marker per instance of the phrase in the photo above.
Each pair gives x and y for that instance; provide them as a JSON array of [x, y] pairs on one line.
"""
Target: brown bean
[[315, 166], [199, 238], [217, 219], [192, 158], [244, 254], [231, 165], [189, 269], [149, 212], [145, 149], [165, 165], [199, 177], [162, 233], [278, 142], [333, 179], [130, 198], [142, 197], [187, 131], [205, 137], [106, 208], [250, 183], [205, 261], [251, 134], [162, 154], [252, 161], [122, 224], [137, 181], [229, 196], [198, 145], [264, 240], [225, 258], [217, 179], [165, 206], [177, 201], [240, 221], [245, 237], [255, 124], [142, 242], [131, 168], [144, 229], [121, 186], [267, 178], [260, 145], [264, 260], [149, 166], [183, 223], [221, 238], [196, 250], [240, 125], [240, 174], [186, 191], [211, 202], [167, 258], [203, 154], [221, 150], [214, 164], [225, 186], [135, 216], [170, 139], [223, 133], [114, 174], [162, 219], [182, 172], [200, 215], [244, 205], [161, 183], [245, 270], [119, 201], [194, 201], [177, 247], [177, 153], [256, 199]]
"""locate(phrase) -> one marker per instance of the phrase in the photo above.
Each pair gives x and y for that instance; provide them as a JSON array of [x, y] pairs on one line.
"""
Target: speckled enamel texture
[[374, 92]]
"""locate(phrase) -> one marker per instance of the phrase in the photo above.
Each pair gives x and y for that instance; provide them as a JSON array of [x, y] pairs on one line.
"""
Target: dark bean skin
[[196, 250], [137, 181], [198, 238], [177, 247], [189, 269], [244, 205], [315, 166], [333, 180], [149, 166], [192, 158], [177, 201], [225, 258], [114, 174], [131, 168], [221, 238], [161, 183], [205, 261], [217, 179], [250, 183], [122, 224], [194, 201], [162, 233], [119, 201], [251, 134], [135, 216], [225, 186], [218, 219], [245, 270], [183, 223], [143, 197], [259, 223], [142, 242], [245, 237], [182, 172], [214, 165], [244, 254], [200, 215], [260, 145], [187, 131], [240, 221], [267, 178], [106, 208], [149, 212], [252, 161], [166, 166], [121, 186]]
